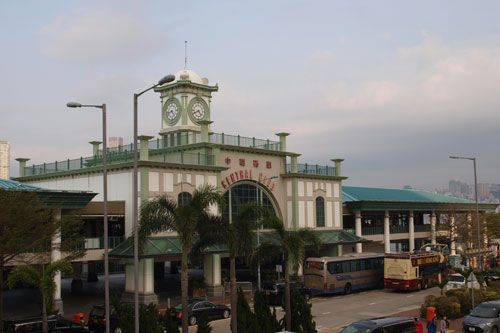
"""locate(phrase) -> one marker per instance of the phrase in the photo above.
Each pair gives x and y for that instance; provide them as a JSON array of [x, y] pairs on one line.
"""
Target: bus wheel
[[347, 289]]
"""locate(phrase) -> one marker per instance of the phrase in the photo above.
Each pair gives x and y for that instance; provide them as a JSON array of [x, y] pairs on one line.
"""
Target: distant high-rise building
[[114, 142], [483, 190], [455, 186], [4, 159]]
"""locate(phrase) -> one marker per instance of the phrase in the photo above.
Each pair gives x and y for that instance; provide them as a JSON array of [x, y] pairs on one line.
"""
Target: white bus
[[344, 274]]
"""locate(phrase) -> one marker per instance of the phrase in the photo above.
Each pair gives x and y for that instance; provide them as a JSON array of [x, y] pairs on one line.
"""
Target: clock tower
[[185, 105]]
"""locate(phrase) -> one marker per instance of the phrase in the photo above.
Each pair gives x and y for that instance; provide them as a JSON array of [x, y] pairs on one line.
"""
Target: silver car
[[483, 318]]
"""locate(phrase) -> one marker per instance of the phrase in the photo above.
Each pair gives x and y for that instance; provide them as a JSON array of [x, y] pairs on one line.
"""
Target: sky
[[392, 87]]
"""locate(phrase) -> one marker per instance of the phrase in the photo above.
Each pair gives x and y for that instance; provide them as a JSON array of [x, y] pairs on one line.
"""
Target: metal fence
[[313, 169], [125, 153]]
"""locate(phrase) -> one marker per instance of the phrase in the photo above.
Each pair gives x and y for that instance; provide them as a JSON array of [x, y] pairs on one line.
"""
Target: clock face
[[198, 111], [172, 111]]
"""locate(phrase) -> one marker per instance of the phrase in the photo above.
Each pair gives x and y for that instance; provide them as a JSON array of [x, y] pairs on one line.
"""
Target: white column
[[212, 274], [54, 256], [387, 233], [411, 229], [357, 218], [453, 234], [433, 228], [146, 281]]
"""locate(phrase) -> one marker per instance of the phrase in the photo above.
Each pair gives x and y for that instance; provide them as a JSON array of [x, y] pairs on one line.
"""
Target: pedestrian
[[444, 324], [432, 325]]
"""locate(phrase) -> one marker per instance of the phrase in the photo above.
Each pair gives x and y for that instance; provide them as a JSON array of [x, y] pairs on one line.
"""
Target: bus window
[[355, 266], [368, 264], [346, 267], [315, 265], [338, 267], [331, 267]]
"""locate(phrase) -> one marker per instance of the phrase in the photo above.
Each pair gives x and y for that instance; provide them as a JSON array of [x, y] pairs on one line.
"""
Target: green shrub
[[492, 295], [246, 321], [447, 306], [203, 326], [267, 320]]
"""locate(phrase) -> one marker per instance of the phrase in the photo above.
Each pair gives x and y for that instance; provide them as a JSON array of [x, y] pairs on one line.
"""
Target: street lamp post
[[473, 159], [165, 79], [258, 233], [105, 201]]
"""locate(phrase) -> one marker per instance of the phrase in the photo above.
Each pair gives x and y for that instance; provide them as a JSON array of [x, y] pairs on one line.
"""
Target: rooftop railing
[[113, 157], [124, 153], [313, 169]]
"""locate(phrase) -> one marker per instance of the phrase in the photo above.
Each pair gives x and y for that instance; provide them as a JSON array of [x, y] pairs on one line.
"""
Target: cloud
[[98, 35]]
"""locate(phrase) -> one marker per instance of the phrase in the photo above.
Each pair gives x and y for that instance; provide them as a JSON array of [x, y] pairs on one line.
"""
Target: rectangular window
[[355, 267], [346, 267]]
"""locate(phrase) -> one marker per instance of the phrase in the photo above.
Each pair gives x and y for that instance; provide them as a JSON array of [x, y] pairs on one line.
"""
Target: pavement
[[24, 301], [455, 324]]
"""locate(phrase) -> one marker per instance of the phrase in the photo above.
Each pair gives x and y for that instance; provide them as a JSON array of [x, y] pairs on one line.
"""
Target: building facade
[[4, 160], [187, 154]]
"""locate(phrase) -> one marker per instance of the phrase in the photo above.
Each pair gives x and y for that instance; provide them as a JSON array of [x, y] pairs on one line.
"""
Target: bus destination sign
[[425, 261]]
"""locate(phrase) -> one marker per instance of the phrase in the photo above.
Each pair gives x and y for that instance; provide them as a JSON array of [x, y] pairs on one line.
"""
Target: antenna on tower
[[185, 54]]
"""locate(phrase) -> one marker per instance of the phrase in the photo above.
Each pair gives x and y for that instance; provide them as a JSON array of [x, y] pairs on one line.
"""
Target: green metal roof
[[170, 246], [388, 194], [161, 246], [12, 185], [62, 199], [370, 198], [328, 237]]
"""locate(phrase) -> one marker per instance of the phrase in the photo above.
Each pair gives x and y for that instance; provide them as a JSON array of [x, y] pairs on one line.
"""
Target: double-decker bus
[[345, 273], [415, 270]]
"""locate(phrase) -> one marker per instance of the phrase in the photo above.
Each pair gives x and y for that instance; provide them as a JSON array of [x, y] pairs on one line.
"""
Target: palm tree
[[43, 280], [291, 244], [164, 214], [239, 238]]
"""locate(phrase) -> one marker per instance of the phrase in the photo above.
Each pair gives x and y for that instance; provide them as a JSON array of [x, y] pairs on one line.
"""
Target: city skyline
[[392, 88]]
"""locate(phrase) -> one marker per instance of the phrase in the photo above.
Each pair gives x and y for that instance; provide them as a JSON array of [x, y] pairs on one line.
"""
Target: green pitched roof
[[387, 194], [328, 237], [170, 246], [62, 199], [161, 246], [370, 198]]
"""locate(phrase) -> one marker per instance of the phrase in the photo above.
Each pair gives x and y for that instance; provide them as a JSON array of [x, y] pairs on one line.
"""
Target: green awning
[[328, 237], [161, 246]]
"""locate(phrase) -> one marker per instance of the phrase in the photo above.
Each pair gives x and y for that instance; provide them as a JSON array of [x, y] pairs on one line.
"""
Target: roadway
[[333, 312]]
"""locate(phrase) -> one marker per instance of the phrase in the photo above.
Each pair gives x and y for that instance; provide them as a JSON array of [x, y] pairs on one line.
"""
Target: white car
[[457, 281]]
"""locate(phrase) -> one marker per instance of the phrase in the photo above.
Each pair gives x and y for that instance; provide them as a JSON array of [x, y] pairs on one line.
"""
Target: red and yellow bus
[[415, 270]]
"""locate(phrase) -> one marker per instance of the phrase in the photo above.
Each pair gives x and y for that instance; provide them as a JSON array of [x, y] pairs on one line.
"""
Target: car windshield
[[355, 328], [457, 278], [484, 312]]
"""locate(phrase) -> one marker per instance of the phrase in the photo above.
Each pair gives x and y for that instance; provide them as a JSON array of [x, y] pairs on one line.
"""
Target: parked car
[[34, 325], [483, 318], [196, 310], [491, 277], [274, 292], [383, 325], [97, 319]]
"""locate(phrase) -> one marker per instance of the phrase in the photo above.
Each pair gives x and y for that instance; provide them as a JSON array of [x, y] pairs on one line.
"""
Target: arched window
[[240, 194], [183, 198], [320, 212]]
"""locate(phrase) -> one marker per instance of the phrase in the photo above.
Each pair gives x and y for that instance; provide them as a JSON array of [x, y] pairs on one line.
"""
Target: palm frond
[[28, 274]]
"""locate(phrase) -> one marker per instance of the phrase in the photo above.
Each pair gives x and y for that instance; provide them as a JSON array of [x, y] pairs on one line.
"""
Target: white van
[[458, 281]]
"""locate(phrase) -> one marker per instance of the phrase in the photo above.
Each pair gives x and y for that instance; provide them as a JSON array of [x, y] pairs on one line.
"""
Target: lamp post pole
[[473, 159], [105, 203], [135, 194], [258, 227]]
